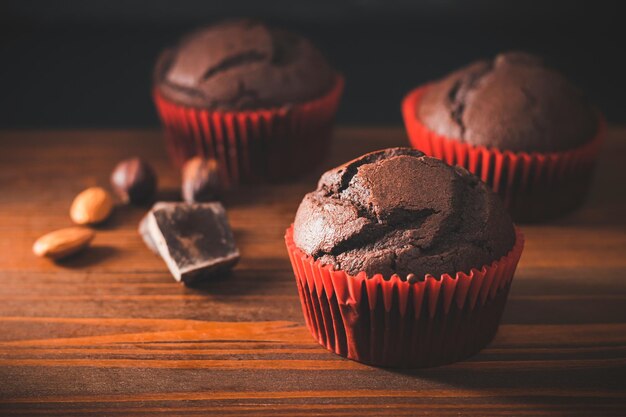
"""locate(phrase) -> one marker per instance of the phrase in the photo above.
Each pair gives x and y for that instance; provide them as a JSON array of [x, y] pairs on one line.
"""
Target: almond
[[93, 205], [63, 242]]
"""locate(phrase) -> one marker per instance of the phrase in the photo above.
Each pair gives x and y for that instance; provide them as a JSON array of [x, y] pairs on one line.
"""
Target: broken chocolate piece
[[194, 240], [145, 234]]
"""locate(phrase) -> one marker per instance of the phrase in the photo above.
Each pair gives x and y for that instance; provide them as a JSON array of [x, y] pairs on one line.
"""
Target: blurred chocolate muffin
[[513, 102], [259, 100], [243, 64]]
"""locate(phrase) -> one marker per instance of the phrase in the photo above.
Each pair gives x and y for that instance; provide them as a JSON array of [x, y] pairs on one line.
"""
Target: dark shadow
[[89, 257], [268, 193], [217, 284], [245, 195], [536, 388], [249, 277], [534, 373], [119, 216], [166, 194]]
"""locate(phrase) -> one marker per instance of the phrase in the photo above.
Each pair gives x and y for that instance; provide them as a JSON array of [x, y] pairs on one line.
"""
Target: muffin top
[[397, 211], [242, 64], [513, 102]]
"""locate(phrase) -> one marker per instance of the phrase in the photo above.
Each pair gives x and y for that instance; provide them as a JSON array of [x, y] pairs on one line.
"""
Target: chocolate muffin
[[243, 64], [513, 102], [397, 211], [396, 254]]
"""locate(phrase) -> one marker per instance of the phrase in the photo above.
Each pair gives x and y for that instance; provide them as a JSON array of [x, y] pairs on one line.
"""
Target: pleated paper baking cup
[[534, 186], [252, 145], [394, 323]]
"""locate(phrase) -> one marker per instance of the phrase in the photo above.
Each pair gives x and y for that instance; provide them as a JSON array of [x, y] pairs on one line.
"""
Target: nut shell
[[63, 242], [91, 206]]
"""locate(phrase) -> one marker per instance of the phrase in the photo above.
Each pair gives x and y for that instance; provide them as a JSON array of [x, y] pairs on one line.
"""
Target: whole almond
[[93, 205], [63, 242]]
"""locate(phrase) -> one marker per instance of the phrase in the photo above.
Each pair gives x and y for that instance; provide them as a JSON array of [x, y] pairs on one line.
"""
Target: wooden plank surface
[[111, 333]]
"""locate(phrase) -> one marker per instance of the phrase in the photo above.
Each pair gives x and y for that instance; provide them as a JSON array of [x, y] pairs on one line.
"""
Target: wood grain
[[109, 332]]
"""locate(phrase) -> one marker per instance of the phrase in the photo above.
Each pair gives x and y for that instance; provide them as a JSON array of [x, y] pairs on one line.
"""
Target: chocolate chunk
[[194, 240], [145, 234]]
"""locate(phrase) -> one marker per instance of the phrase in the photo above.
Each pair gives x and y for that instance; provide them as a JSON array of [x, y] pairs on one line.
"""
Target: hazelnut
[[201, 180], [134, 181]]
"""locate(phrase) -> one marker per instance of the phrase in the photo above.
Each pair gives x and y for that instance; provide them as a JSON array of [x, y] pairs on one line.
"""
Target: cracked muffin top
[[397, 211], [513, 102], [242, 64]]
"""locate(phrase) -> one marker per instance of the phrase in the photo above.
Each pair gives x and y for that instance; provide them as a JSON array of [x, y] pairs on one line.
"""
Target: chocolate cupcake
[[402, 260], [260, 100], [516, 123]]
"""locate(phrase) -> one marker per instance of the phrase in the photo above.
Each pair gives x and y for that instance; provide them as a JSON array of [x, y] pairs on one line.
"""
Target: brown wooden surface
[[111, 333]]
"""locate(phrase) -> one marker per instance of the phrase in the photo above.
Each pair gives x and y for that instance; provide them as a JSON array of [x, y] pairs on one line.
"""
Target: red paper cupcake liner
[[273, 143], [393, 323], [533, 186]]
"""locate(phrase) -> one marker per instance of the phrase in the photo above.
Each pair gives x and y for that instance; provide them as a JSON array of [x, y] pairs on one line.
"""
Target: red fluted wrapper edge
[[252, 145], [394, 323], [533, 186]]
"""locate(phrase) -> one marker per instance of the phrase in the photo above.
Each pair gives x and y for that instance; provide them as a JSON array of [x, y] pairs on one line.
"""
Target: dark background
[[82, 63]]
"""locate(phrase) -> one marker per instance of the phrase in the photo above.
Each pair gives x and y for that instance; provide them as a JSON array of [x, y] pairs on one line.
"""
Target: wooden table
[[110, 332]]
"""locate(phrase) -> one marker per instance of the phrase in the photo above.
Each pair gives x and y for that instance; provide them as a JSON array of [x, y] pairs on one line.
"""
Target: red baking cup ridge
[[393, 323], [533, 186], [273, 143]]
